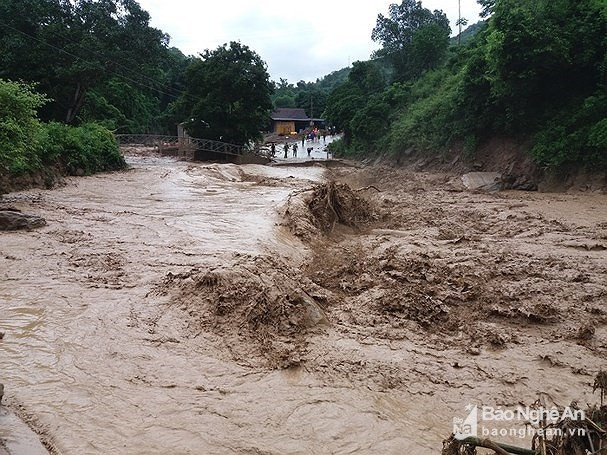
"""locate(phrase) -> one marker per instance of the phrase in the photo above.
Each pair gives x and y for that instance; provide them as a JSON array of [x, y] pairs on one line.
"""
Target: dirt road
[[171, 309]]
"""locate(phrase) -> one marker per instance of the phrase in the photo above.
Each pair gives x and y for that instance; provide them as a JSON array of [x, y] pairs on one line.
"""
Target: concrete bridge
[[195, 148]]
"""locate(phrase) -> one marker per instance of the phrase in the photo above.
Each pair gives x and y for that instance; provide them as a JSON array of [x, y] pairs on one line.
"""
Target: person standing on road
[[295, 150], [303, 140], [286, 149], [273, 149]]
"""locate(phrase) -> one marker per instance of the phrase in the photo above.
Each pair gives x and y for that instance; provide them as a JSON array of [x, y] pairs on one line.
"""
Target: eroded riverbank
[[105, 361]]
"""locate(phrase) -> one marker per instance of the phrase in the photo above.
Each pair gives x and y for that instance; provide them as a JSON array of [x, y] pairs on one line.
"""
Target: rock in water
[[11, 221], [485, 181]]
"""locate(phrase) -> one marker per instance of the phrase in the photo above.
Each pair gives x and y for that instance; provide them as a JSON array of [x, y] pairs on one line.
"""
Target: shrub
[[431, 121], [26, 144], [575, 135], [19, 126], [81, 150]]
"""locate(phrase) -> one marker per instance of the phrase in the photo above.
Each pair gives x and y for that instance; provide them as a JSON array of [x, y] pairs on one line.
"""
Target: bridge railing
[[206, 145]]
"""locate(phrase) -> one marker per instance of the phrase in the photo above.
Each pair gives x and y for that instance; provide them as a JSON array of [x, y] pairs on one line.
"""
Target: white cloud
[[298, 41]]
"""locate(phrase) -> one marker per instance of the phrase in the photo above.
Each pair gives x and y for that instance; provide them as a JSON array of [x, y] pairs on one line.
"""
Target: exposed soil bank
[[47, 178], [511, 159], [172, 308]]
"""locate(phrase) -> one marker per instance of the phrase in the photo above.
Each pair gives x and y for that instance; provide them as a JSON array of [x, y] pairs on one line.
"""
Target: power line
[[132, 70], [177, 92]]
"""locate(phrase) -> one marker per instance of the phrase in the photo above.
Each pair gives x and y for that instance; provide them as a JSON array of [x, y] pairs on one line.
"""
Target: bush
[[81, 150], [26, 145], [19, 127], [575, 135], [431, 121]]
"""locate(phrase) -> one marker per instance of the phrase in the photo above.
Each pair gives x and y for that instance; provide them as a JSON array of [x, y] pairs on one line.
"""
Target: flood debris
[[600, 384], [468, 446], [417, 303], [323, 207], [260, 305]]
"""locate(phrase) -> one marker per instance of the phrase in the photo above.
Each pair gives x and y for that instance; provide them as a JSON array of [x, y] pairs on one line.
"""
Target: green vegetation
[[414, 39], [20, 130], [311, 96], [227, 95], [536, 70], [91, 68], [531, 70], [96, 60], [100, 61], [28, 145]]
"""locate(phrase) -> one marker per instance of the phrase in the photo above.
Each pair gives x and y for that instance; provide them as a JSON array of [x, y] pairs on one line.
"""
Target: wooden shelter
[[292, 120]]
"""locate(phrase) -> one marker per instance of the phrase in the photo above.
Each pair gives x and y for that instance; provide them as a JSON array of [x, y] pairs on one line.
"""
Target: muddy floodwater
[[444, 298]]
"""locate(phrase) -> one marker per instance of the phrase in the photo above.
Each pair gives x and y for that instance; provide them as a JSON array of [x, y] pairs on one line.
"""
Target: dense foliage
[[103, 70], [535, 70], [414, 39], [19, 128], [227, 95], [311, 96], [27, 145], [79, 52]]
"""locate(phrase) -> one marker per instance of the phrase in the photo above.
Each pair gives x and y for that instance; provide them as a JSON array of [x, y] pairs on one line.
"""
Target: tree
[[83, 43], [538, 52], [487, 7], [312, 99], [227, 95], [461, 22], [397, 34], [284, 101], [364, 81]]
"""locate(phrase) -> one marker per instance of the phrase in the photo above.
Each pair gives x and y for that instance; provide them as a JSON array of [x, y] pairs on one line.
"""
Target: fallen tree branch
[[498, 448], [369, 188]]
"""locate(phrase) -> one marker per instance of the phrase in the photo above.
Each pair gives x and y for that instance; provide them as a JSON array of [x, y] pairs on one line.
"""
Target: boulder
[[486, 181], [12, 220]]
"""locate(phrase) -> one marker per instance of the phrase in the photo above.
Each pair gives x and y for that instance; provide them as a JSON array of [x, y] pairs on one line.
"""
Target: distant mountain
[[469, 32], [332, 80]]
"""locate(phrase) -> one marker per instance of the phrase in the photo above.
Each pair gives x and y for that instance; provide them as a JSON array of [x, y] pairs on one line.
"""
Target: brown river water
[[97, 362], [75, 301]]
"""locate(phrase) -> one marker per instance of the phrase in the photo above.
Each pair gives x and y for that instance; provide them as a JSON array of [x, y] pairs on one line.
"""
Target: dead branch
[[369, 188]]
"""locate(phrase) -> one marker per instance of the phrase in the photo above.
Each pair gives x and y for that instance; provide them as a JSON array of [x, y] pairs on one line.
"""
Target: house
[[286, 120]]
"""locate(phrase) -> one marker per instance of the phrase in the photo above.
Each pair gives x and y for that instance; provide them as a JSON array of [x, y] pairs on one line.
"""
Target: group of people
[[313, 135]]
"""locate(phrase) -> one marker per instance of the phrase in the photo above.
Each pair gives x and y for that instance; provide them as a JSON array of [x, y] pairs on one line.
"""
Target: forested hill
[[535, 71], [468, 33]]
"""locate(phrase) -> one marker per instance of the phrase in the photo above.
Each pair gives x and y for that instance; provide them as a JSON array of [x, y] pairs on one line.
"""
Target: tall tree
[[82, 43], [227, 95], [364, 81], [397, 33]]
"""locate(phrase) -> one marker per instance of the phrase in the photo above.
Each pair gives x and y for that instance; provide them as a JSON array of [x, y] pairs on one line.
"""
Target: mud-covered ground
[[192, 308]]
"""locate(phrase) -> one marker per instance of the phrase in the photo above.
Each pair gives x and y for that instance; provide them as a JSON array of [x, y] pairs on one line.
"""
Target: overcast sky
[[302, 41]]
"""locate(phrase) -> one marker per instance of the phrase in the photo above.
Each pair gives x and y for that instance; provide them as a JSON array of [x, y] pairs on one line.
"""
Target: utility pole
[[459, 21]]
